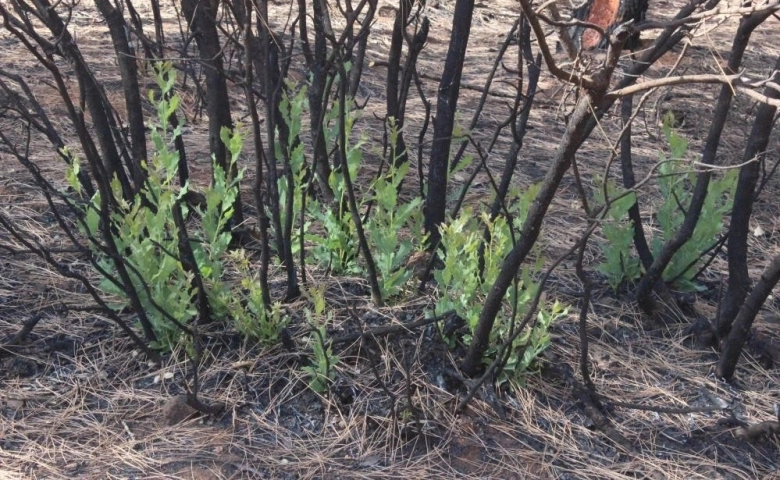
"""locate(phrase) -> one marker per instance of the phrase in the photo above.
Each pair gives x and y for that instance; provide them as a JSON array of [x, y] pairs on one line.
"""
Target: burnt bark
[[449, 89], [92, 96], [272, 84], [740, 330], [104, 167], [519, 130], [510, 36], [316, 60], [394, 58], [154, 52], [399, 80], [357, 43], [742, 209], [128, 69], [629, 181], [201, 17], [577, 129], [262, 217], [376, 293]]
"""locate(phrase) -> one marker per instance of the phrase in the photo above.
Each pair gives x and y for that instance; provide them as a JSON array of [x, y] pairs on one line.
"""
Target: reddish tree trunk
[[607, 14]]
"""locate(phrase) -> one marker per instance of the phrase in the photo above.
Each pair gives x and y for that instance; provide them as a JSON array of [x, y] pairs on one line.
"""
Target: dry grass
[[78, 402]]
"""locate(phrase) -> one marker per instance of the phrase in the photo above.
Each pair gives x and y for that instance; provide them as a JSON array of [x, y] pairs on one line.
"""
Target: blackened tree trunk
[[415, 47], [741, 327], [741, 211], [398, 80], [201, 16], [358, 41], [250, 44], [128, 69], [394, 69], [316, 60], [94, 97], [449, 88], [629, 182], [272, 87], [154, 52]]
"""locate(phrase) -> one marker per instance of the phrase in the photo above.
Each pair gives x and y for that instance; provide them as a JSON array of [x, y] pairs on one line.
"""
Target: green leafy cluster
[[675, 181], [252, 317], [531, 343], [619, 263], [330, 230], [144, 230], [148, 240], [464, 282], [389, 217], [322, 370], [337, 247]]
